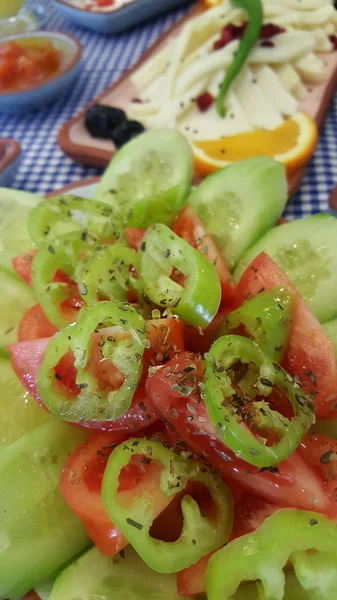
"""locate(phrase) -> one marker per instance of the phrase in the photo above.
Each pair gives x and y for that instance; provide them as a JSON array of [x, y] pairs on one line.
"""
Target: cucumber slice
[[330, 329], [15, 207], [238, 204], [38, 531], [306, 250], [19, 413], [114, 578], [149, 179], [15, 300]]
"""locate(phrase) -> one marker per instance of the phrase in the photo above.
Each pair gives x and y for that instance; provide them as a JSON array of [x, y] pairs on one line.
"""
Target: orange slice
[[211, 3], [291, 144]]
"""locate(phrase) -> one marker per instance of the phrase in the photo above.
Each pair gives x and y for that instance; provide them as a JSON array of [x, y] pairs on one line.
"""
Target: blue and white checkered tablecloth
[[44, 166]]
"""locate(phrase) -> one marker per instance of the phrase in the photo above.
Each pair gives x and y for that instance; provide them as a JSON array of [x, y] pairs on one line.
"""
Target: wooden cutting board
[[76, 142]]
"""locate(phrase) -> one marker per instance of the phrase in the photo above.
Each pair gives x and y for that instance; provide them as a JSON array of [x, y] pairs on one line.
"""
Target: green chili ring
[[218, 393], [199, 535], [126, 354], [198, 301], [263, 554], [62, 253], [107, 273]]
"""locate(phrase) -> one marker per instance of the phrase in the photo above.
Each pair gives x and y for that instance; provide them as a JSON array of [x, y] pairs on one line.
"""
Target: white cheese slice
[[287, 47], [291, 81], [310, 68], [258, 110], [273, 89]]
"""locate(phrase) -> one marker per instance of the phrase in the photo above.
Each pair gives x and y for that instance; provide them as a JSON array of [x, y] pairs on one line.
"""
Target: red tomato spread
[[25, 66]]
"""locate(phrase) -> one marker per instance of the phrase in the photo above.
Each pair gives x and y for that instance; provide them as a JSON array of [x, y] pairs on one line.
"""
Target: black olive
[[101, 120], [124, 132]]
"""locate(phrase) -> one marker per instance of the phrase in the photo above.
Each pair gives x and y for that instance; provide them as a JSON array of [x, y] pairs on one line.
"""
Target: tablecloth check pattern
[[44, 166]]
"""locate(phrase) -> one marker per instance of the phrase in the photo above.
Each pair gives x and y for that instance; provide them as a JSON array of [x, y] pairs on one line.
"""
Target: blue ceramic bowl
[[119, 19], [10, 157], [39, 95]]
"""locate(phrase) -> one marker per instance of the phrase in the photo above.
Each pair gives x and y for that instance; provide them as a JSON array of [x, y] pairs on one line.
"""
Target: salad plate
[[168, 354], [116, 17], [129, 94]]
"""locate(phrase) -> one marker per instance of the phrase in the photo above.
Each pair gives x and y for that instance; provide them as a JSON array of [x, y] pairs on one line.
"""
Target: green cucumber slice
[[149, 179], [113, 578], [38, 531], [19, 412], [15, 207], [238, 204], [306, 251], [15, 300]]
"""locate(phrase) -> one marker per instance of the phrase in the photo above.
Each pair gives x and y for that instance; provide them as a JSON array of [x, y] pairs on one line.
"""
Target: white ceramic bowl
[[118, 19]]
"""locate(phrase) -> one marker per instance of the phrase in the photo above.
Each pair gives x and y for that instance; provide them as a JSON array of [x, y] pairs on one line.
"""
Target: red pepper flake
[[269, 30], [333, 40], [267, 44], [229, 34], [204, 101]]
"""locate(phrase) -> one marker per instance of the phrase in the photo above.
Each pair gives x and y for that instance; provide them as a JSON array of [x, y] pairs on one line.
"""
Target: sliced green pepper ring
[[198, 301], [231, 402], [267, 318], [62, 253], [199, 535], [121, 345], [107, 274], [63, 214], [262, 555]]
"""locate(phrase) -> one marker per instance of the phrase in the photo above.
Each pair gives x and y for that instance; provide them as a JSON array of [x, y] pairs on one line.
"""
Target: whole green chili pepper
[[267, 318], [107, 274], [121, 340], [62, 214], [237, 372], [162, 251], [61, 254], [254, 10], [200, 534], [262, 555]]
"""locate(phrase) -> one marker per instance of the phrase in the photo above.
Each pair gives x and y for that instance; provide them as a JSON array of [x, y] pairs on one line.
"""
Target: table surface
[[44, 166]]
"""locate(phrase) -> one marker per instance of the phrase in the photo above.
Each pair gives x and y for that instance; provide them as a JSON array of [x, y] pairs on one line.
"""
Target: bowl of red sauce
[[37, 69]]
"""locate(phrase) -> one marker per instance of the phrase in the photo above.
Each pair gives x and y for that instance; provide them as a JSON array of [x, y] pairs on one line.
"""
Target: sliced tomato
[[22, 264], [81, 482], [249, 513], [189, 227], [134, 236], [294, 483], [310, 354], [35, 325], [320, 452], [27, 357]]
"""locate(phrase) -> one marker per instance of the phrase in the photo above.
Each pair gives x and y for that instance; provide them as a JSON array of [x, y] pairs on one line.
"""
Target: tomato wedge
[[81, 482], [320, 452], [189, 227], [35, 325], [293, 483], [134, 236], [22, 264], [310, 354]]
